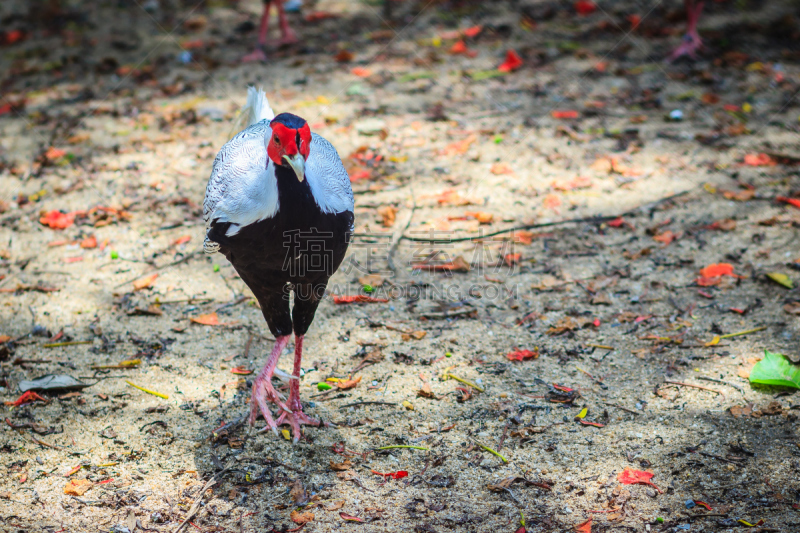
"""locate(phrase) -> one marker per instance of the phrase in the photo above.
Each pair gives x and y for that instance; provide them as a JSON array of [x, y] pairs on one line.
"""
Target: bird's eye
[[277, 141]]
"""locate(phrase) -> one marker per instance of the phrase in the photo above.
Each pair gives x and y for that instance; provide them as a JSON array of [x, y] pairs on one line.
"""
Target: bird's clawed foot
[[263, 391], [296, 418], [256, 56], [690, 46]]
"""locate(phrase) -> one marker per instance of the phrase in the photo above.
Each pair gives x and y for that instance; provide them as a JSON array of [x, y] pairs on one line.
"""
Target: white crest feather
[[257, 107]]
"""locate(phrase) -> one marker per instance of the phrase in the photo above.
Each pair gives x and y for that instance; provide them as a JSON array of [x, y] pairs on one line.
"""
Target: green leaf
[[781, 279], [776, 369]]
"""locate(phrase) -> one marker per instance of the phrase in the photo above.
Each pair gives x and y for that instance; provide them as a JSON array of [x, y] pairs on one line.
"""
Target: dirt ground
[[112, 115]]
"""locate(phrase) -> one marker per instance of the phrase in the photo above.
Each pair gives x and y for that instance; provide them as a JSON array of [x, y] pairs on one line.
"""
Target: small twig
[[464, 381], [694, 386], [400, 235], [70, 343], [728, 383], [503, 437], [631, 411], [159, 269], [592, 220], [402, 446], [196, 505], [493, 452], [723, 459], [365, 403]]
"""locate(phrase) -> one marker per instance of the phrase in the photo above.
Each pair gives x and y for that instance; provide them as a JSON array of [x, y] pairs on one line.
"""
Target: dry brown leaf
[[388, 215], [298, 493], [347, 475], [145, 282], [740, 196], [739, 410], [426, 392], [348, 383], [418, 335], [335, 506], [77, 487], [210, 319], [339, 467], [301, 518], [481, 216], [501, 168], [793, 308], [460, 147], [567, 323], [373, 280]]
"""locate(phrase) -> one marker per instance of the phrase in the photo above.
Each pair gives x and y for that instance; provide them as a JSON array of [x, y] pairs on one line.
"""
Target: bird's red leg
[[296, 417], [263, 390], [691, 41], [258, 54], [287, 34]]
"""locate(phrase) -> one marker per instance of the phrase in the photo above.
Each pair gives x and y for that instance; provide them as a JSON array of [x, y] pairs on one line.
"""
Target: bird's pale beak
[[298, 164]]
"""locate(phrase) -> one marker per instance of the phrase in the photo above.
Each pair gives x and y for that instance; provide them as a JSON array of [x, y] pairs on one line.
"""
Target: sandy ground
[[136, 104]]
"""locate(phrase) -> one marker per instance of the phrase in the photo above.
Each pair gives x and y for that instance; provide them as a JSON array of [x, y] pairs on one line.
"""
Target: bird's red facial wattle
[[290, 147]]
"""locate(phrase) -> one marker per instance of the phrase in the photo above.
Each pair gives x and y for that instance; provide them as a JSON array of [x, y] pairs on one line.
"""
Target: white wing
[[242, 188], [327, 177]]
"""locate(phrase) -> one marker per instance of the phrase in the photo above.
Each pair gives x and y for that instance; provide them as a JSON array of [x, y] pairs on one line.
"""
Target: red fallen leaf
[[704, 294], [596, 322], [57, 219], [109, 480], [473, 31], [737, 310], [512, 62], [702, 504], [181, 240], [242, 371], [564, 114], [562, 388], [53, 153], [13, 36], [585, 527], [523, 237], [794, 202], [210, 319], [363, 174], [394, 475], [316, 16], [521, 355], [358, 298], [5, 108], [584, 7], [459, 47], [89, 242], [717, 269], [351, 518], [27, 397], [635, 20], [616, 223], [667, 237], [633, 477], [361, 72], [75, 259], [759, 160], [733, 108], [73, 470], [595, 424], [512, 259]]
